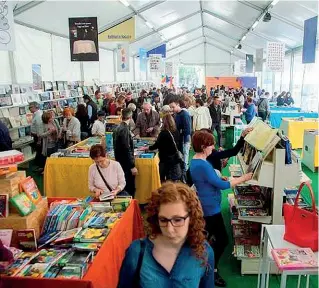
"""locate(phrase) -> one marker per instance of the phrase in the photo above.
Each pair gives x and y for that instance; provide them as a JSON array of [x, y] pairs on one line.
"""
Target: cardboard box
[[34, 220], [10, 185]]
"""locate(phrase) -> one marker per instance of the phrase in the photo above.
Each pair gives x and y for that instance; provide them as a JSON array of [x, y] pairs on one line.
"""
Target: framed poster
[[36, 77], [169, 68], [156, 63], [123, 59], [84, 45], [275, 56]]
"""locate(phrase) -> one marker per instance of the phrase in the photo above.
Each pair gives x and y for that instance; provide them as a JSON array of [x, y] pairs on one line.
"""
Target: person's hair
[[169, 123], [34, 104], [200, 102], [100, 113], [46, 116], [81, 110], [216, 97], [175, 99], [126, 114], [67, 111], [166, 109], [121, 99], [249, 94], [267, 93], [86, 97], [188, 100], [249, 99], [97, 151], [97, 92], [131, 106], [201, 140], [143, 92], [171, 192]]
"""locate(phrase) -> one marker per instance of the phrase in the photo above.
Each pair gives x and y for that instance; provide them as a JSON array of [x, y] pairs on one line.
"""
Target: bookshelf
[[271, 175]]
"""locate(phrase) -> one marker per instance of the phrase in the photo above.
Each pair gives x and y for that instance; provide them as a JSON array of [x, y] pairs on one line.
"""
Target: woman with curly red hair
[[176, 252]]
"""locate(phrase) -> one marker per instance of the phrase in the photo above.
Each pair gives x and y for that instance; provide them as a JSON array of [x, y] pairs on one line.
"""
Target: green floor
[[229, 266]]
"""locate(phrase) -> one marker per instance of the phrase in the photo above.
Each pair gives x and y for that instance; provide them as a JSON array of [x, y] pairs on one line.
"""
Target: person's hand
[[134, 171], [225, 178], [115, 192], [248, 176], [220, 149], [97, 192], [137, 136], [149, 130], [246, 131]]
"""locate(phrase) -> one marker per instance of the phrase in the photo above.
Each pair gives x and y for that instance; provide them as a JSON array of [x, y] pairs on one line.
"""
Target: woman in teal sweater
[[209, 185]]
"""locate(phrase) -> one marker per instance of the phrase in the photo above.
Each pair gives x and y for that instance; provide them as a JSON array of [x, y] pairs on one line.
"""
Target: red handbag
[[301, 226]]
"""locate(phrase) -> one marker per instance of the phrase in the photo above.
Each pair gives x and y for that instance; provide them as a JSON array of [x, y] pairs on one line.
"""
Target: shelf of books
[[275, 167]]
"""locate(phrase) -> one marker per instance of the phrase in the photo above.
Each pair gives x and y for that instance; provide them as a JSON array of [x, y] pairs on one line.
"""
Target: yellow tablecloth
[[68, 177], [294, 129]]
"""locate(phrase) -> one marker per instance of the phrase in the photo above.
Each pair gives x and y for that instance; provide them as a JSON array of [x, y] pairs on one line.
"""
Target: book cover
[[19, 263], [27, 240], [49, 256], [4, 205], [30, 188], [290, 259], [6, 236], [92, 235], [67, 236], [253, 212], [37, 270], [87, 246], [70, 272], [247, 251], [48, 238], [23, 204]]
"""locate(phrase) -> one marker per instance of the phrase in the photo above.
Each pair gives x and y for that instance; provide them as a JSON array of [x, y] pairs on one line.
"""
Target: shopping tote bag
[[301, 226]]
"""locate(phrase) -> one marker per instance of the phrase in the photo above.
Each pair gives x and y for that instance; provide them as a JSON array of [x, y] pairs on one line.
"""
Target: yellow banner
[[124, 31]]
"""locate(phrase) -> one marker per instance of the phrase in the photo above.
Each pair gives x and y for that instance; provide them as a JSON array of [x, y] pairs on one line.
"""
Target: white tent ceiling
[[183, 25]]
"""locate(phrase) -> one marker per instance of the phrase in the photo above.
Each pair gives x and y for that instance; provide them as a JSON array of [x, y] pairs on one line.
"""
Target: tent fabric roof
[[181, 24]]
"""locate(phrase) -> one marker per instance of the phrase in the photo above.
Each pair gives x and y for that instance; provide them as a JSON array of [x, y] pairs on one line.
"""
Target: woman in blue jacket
[[250, 112], [209, 186]]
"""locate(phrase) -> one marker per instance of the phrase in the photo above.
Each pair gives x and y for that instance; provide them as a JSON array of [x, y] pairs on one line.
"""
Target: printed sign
[[124, 31], [123, 59], [276, 56], [169, 68], [36, 76], [156, 63], [310, 40], [7, 40]]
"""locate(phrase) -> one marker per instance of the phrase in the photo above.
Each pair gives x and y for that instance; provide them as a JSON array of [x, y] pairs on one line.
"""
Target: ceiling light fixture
[[231, 51], [255, 24], [125, 3], [149, 24], [244, 37], [273, 3]]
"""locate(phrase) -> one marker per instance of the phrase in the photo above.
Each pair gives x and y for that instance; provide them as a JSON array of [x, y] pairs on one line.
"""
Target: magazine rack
[[272, 172]]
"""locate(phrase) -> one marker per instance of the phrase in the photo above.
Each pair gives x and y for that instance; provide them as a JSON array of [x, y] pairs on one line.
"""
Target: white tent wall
[[126, 76], [139, 75], [5, 72]]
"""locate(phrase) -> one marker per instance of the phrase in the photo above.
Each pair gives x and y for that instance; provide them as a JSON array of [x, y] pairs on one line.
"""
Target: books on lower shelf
[[295, 259]]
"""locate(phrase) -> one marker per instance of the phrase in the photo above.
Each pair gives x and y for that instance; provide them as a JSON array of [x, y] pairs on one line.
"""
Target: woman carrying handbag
[[171, 161]]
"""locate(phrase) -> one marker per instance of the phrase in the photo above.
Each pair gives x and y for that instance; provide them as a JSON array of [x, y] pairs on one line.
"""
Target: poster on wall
[[36, 77], [84, 45], [240, 67], [169, 68], [143, 59], [156, 64], [158, 50], [310, 40], [276, 56], [232, 82], [259, 60], [7, 40], [123, 59], [123, 32], [249, 63]]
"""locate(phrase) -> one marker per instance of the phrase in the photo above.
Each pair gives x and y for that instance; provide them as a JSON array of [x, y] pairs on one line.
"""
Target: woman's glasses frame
[[175, 221]]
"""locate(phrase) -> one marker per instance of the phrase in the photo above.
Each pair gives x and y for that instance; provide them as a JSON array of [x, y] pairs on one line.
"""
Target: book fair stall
[[63, 241]]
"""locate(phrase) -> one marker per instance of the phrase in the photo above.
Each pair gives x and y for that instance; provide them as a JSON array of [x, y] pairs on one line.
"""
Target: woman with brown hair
[[71, 127], [175, 254], [170, 166]]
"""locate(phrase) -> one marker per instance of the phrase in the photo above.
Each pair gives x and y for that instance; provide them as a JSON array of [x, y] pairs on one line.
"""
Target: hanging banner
[[7, 40], [158, 50], [124, 31], [84, 45], [231, 82], [249, 63], [259, 60], [309, 40], [276, 56], [36, 77], [169, 68], [143, 59], [123, 59], [156, 63]]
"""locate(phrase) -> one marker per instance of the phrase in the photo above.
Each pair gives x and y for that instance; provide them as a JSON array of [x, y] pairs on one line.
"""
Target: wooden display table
[[68, 177], [310, 151], [294, 129], [105, 269]]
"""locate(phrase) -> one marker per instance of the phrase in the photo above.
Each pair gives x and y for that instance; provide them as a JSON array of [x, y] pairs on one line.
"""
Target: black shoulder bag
[[107, 184], [136, 279]]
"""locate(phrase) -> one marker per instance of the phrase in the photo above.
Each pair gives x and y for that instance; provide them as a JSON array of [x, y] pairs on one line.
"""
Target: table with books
[[276, 117], [82, 244], [68, 175], [286, 256]]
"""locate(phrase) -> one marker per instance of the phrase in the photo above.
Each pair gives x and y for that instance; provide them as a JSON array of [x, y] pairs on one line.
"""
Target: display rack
[[232, 111], [274, 174], [310, 151]]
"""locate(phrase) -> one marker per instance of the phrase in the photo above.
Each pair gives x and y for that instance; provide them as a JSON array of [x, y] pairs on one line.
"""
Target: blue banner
[[158, 50], [309, 40], [143, 59]]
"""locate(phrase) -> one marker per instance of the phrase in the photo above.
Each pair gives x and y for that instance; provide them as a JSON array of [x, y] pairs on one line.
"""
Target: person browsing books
[[98, 128], [209, 187], [176, 253], [105, 175]]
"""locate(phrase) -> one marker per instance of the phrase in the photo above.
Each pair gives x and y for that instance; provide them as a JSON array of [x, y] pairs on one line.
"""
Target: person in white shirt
[[202, 118], [98, 128]]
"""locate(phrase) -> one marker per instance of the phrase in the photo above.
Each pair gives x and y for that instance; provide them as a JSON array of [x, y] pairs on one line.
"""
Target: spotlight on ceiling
[[239, 46], [267, 17]]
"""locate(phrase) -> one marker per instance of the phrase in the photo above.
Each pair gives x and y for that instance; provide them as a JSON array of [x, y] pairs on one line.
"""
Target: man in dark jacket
[[128, 100], [124, 150], [148, 122], [216, 115], [5, 139], [91, 108]]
